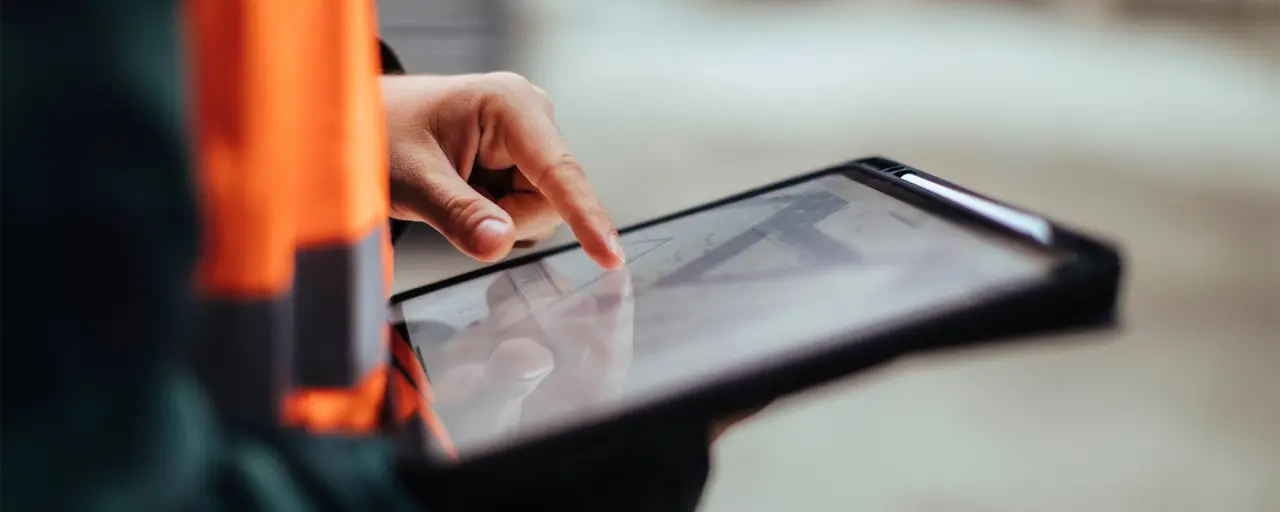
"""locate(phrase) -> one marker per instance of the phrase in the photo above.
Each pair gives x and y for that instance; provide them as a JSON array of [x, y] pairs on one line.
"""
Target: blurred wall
[[447, 36]]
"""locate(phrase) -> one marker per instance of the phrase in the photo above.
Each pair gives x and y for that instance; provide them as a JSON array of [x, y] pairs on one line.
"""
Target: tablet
[[731, 304]]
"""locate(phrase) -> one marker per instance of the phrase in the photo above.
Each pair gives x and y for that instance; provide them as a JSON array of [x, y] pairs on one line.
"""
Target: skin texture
[[479, 158]]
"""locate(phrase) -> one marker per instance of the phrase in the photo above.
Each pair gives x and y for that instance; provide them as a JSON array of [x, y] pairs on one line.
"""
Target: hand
[[479, 158]]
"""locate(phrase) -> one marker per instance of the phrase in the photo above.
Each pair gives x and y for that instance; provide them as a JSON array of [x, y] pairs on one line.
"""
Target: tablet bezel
[[1080, 292]]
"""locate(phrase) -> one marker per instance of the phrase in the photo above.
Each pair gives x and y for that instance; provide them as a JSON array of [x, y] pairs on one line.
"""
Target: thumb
[[425, 186], [472, 223]]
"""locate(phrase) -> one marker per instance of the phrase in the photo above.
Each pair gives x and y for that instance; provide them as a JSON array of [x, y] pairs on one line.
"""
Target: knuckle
[[475, 88], [569, 162], [548, 106], [509, 79], [562, 168], [587, 216], [472, 90], [458, 208], [511, 91], [543, 98]]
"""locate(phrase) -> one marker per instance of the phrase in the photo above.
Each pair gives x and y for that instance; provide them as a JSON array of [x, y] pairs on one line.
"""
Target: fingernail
[[491, 231], [616, 248]]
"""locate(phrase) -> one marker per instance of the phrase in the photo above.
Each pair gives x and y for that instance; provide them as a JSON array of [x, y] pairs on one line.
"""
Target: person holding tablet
[[214, 338]]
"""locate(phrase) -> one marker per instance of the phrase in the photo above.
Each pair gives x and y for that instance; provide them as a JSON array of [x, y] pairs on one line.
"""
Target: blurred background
[[1155, 123]]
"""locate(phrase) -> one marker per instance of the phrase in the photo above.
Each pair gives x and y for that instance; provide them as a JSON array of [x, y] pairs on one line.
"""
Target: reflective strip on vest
[[245, 274], [292, 162]]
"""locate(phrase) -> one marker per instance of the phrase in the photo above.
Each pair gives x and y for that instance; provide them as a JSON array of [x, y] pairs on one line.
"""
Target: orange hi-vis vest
[[291, 154]]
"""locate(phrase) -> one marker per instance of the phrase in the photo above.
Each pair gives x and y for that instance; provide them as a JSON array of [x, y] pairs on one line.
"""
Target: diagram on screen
[[869, 235], [785, 243]]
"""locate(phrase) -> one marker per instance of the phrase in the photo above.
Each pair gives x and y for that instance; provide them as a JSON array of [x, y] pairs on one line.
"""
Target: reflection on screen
[[549, 344]]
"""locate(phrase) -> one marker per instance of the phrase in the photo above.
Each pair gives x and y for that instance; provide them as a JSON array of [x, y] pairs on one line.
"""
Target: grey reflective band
[[341, 310], [243, 356]]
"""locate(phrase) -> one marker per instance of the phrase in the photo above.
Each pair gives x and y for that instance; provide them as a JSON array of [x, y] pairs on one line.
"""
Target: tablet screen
[[725, 291]]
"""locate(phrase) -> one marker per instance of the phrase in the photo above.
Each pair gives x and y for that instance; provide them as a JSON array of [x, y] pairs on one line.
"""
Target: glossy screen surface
[[557, 342]]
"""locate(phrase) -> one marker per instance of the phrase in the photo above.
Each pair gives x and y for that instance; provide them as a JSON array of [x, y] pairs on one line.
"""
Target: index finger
[[542, 156]]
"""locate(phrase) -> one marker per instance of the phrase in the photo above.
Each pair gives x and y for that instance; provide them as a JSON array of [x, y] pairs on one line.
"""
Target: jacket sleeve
[[647, 474], [100, 409], [665, 473]]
